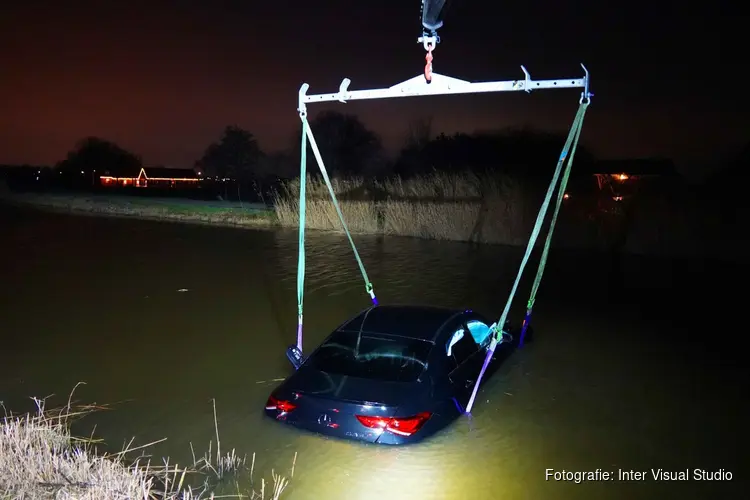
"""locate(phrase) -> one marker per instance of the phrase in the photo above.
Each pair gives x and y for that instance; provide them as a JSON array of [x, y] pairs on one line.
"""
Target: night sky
[[163, 78]]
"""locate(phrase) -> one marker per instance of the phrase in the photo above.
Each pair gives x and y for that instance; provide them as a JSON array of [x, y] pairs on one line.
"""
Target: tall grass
[[483, 208], [461, 207], [361, 215], [494, 208], [39, 458]]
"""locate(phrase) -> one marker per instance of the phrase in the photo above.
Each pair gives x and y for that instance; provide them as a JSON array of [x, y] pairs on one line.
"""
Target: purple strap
[[524, 327], [487, 359], [299, 334]]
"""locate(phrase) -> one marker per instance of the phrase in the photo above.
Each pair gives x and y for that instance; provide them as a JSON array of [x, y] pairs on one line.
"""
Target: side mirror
[[294, 355]]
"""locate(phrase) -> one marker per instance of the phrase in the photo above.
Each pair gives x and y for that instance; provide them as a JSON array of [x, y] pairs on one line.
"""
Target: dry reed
[[39, 458], [460, 207]]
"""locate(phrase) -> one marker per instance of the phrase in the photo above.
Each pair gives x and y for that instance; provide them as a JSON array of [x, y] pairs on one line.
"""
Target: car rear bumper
[[363, 435]]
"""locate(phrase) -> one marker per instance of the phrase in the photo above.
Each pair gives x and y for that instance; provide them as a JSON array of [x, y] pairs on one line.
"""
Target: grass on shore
[[482, 208], [39, 458], [494, 208], [144, 208], [459, 207]]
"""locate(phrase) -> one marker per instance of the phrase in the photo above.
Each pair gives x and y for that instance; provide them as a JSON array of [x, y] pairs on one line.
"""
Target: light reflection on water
[[97, 300]]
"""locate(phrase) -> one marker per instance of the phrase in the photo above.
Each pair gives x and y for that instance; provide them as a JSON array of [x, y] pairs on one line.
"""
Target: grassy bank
[[459, 207], [178, 210], [671, 220], [40, 458]]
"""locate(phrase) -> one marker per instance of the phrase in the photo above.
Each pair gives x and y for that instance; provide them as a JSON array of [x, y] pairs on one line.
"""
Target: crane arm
[[433, 13]]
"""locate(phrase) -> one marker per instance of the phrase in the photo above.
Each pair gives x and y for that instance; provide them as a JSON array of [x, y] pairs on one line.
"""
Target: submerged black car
[[390, 375]]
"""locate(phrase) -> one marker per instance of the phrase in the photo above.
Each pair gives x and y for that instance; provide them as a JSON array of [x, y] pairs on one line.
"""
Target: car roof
[[417, 322]]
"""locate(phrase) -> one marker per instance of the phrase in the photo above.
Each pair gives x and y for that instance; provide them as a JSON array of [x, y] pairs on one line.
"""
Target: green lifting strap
[[324, 172], [569, 146], [571, 143], [301, 251], [558, 204]]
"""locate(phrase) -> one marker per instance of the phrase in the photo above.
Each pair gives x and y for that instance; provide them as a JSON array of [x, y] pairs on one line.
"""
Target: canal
[[636, 368]]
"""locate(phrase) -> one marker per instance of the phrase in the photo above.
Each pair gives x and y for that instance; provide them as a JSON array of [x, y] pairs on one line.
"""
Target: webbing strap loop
[[301, 244], [572, 137], [324, 172], [556, 212], [571, 143], [308, 135]]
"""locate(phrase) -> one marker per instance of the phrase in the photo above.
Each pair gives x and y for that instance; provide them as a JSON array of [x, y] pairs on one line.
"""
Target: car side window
[[479, 330], [460, 346]]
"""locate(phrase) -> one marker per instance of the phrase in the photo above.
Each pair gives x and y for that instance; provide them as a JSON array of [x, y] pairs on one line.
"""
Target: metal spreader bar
[[442, 85]]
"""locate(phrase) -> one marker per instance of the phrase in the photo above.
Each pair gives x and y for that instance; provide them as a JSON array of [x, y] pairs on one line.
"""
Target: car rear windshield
[[373, 356]]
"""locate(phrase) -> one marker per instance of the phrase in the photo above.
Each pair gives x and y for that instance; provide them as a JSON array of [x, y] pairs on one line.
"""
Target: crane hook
[[429, 42], [428, 65]]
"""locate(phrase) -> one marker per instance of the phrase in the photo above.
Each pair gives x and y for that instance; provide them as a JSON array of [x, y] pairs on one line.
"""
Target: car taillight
[[401, 426], [279, 404]]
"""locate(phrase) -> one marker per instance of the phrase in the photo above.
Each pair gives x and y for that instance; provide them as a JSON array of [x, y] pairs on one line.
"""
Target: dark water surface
[[645, 373]]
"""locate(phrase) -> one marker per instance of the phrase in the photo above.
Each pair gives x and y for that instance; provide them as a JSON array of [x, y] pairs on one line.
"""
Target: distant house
[[163, 177], [621, 178], [623, 170]]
